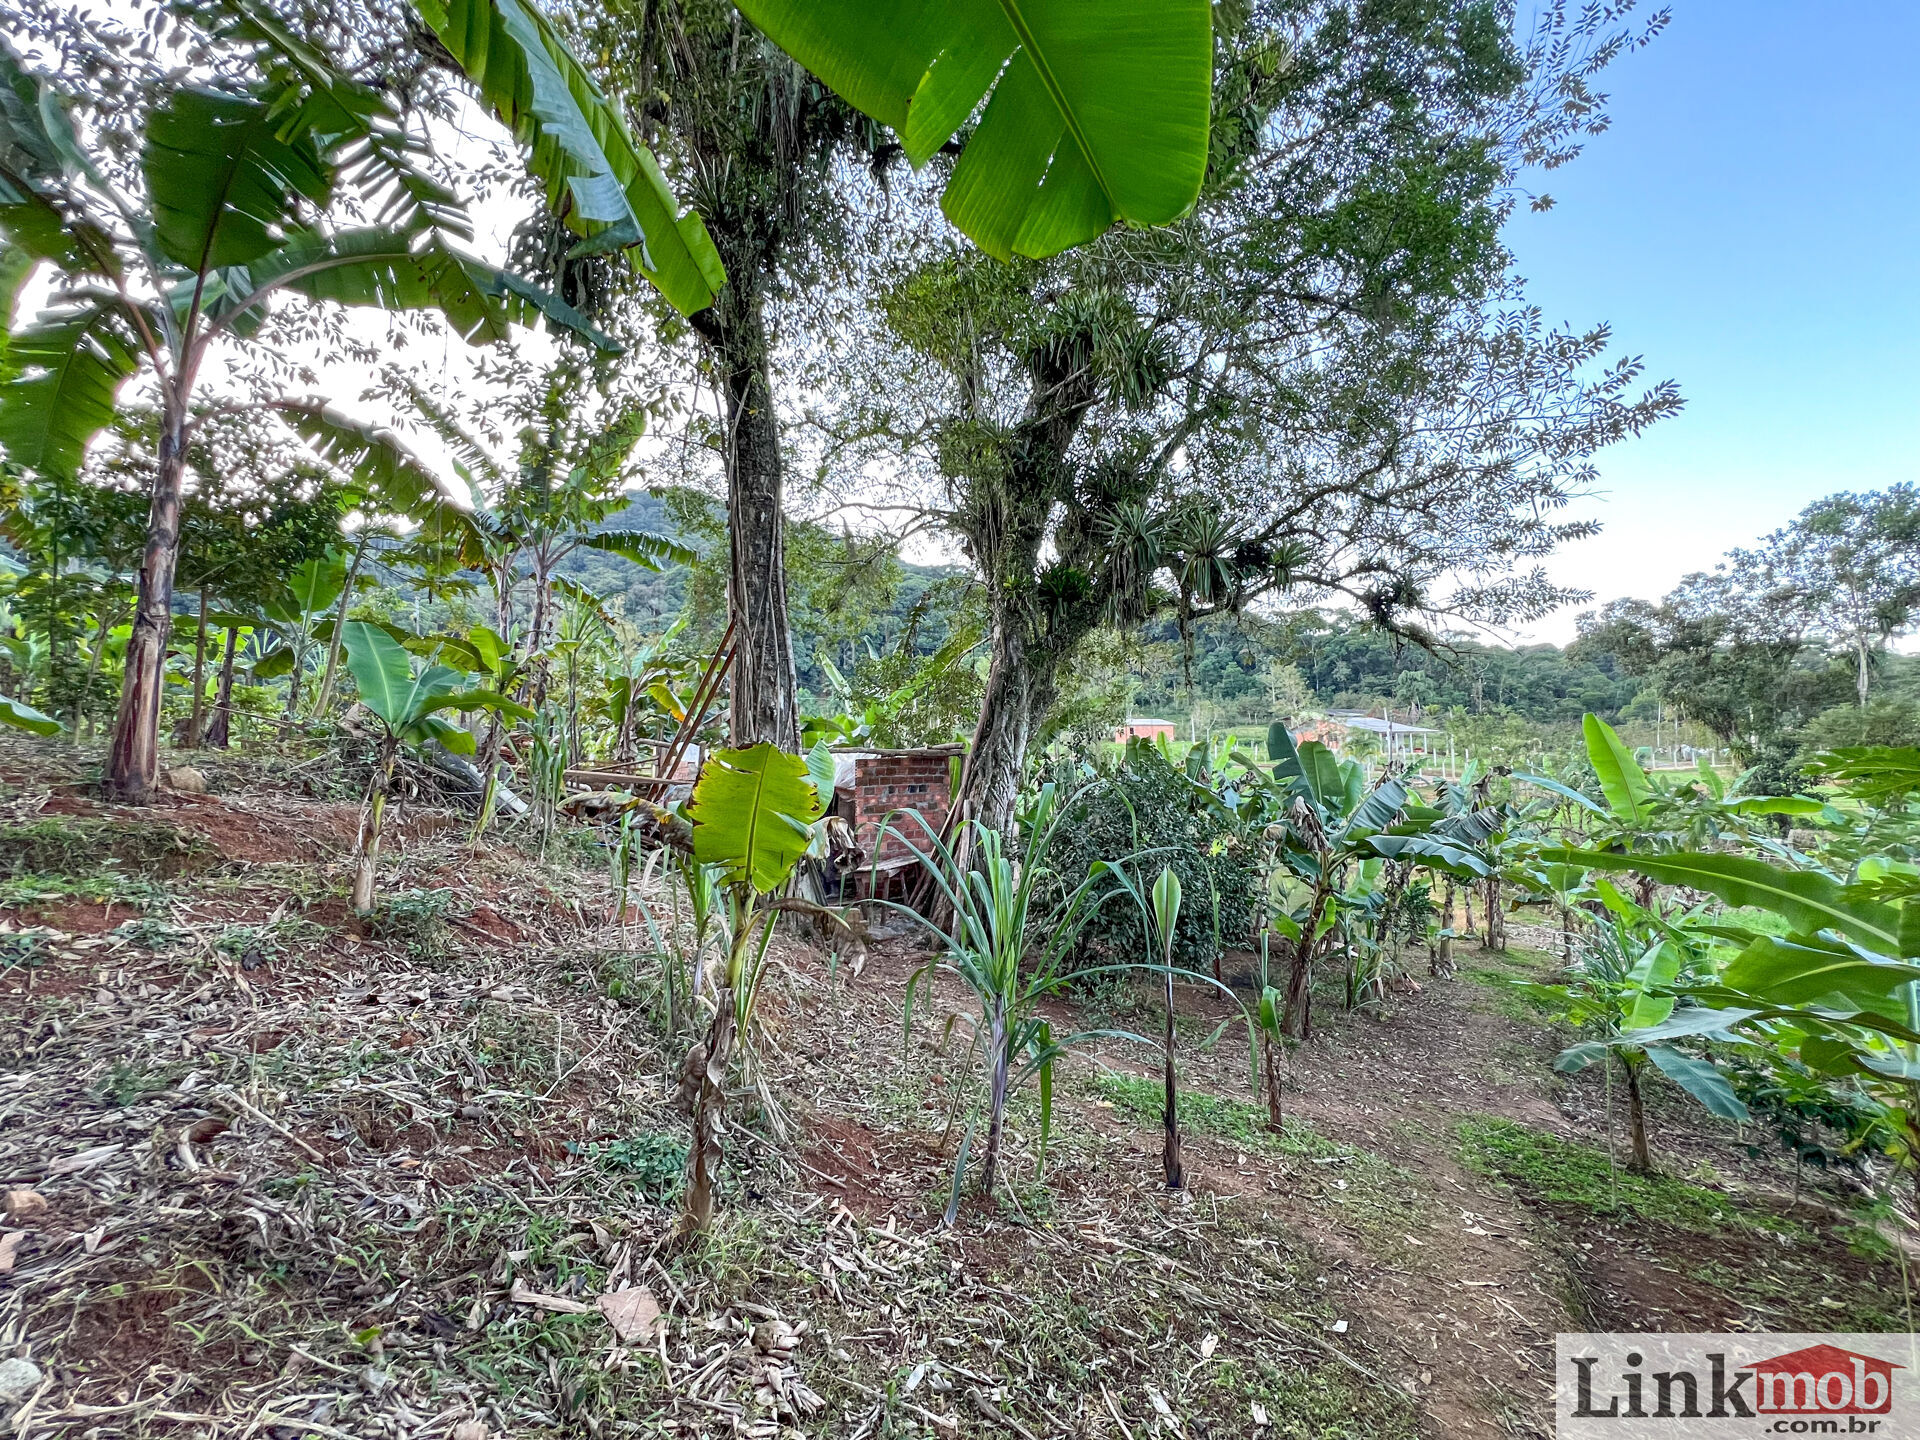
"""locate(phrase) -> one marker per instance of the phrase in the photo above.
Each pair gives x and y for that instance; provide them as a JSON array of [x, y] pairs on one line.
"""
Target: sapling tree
[[408, 708]]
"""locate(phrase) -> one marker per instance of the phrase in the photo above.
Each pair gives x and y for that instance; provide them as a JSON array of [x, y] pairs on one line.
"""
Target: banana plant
[[408, 707], [245, 192], [1623, 983], [752, 813], [1840, 992], [298, 612], [483, 653]]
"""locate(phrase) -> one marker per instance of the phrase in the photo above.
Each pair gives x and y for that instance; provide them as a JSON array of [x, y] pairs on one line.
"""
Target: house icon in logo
[[1823, 1380]]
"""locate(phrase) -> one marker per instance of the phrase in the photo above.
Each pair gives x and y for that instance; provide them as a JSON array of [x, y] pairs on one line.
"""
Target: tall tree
[[753, 142], [1325, 382], [1852, 563]]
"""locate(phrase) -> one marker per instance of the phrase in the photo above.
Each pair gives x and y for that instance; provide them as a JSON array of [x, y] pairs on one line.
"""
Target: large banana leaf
[[1429, 850], [1700, 1079], [393, 270], [1099, 108], [386, 162], [40, 157], [1807, 901], [226, 178], [1377, 810], [379, 463], [18, 715], [1803, 971], [606, 187], [642, 547], [1622, 780], [63, 374], [752, 813]]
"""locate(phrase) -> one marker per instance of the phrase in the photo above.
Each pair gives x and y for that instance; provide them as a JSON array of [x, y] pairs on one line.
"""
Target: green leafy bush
[[1150, 809]]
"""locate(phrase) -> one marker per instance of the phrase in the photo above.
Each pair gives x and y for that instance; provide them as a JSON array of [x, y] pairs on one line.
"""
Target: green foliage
[[1098, 112], [1151, 808], [1548, 1169], [752, 813], [418, 919], [19, 716], [606, 186], [655, 1164]]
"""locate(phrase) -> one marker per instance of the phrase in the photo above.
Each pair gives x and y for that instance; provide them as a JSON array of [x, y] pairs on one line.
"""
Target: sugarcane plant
[[1008, 937], [1166, 914]]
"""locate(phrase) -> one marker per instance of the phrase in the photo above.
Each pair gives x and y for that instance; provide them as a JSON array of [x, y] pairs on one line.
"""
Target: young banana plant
[[408, 709]]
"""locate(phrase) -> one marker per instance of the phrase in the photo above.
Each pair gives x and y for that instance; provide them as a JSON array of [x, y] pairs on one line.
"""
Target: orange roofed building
[[1144, 729]]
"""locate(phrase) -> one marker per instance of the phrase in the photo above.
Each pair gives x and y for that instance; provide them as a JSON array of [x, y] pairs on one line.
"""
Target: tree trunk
[[1862, 675], [197, 719], [1641, 1162], [218, 731], [1020, 687], [133, 763], [764, 691], [1297, 1021]]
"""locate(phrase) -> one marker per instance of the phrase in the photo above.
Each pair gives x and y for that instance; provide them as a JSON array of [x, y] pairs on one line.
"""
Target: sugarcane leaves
[[752, 812]]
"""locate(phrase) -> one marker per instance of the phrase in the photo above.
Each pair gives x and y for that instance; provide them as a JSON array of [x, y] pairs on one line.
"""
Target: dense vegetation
[[1230, 406]]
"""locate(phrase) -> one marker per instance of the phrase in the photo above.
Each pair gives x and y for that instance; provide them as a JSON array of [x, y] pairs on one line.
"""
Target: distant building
[[1144, 729], [1329, 732], [1398, 739]]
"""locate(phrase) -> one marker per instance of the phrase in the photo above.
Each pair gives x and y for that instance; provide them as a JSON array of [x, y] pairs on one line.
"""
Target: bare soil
[[307, 1175]]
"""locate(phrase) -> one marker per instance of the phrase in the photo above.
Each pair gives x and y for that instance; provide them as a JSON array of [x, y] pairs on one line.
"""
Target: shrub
[[1150, 805]]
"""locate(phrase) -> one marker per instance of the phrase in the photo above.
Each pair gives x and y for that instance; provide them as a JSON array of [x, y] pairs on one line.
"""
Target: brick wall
[[884, 783]]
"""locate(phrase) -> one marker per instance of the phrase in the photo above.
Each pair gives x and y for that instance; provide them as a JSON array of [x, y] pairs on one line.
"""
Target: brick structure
[[897, 781]]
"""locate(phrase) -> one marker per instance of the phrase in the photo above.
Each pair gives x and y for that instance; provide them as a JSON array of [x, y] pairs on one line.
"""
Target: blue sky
[[1751, 226]]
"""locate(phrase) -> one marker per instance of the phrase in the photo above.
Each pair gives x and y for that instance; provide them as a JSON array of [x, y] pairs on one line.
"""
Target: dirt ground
[[296, 1172]]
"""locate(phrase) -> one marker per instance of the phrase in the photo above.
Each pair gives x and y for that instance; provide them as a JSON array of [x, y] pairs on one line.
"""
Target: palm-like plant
[[1008, 941], [246, 192], [407, 706]]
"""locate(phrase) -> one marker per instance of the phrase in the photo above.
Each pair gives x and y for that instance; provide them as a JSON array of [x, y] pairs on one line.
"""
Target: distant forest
[[854, 599]]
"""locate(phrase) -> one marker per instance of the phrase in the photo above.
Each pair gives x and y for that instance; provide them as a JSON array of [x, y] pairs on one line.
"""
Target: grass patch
[[85, 845], [1245, 1125], [1564, 1172], [101, 888], [654, 1163]]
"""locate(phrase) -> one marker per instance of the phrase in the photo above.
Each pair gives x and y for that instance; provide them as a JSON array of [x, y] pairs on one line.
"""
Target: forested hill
[[847, 596]]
